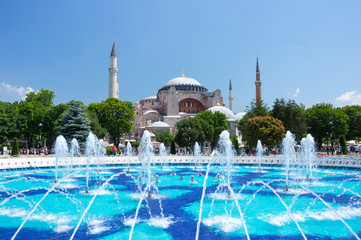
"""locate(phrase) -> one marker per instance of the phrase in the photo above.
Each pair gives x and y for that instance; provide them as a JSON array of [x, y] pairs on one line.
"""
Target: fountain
[[288, 145], [61, 149], [197, 154], [259, 154], [228, 201]]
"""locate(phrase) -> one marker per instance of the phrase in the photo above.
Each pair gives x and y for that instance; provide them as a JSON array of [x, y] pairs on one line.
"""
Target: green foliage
[[189, 132], [257, 108], [172, 148], [343, 144], [74, 123], [292, 116], [165, 137], [45, 97], [15, 147], [135, 144], [213, 124], [324, 120], [354, 121], [51, 121], [95, 126], [114, 115], [235, 143], [267, 129]]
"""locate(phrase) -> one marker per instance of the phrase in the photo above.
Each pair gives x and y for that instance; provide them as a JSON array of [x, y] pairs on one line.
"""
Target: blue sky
[[308, 50]]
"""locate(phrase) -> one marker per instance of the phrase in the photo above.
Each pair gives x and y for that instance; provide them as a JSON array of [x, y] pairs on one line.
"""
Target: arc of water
[[31, 212], [332, 209], [137, 211], [15, 195], [91, 202]]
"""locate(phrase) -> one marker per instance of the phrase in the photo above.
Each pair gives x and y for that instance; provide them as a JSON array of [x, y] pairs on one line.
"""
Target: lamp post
[[328, 135], [331, 125], [40, 127]]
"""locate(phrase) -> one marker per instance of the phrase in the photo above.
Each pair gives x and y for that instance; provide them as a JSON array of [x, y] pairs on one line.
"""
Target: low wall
[[38, 162]]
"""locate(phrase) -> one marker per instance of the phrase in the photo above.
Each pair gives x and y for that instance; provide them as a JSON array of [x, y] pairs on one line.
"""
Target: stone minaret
[[113, 75], [230, 98], [258, 83]]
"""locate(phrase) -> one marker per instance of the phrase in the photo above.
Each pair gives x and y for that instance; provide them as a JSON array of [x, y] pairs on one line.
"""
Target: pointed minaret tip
[[257, 68], [230, 85], [182, 73], [113, 53]]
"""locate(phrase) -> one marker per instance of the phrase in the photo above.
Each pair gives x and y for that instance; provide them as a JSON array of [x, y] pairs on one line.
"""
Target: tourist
[[114, 150]]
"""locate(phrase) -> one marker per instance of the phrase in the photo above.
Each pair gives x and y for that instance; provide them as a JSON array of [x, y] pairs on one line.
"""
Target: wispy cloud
[[13, 93], [352, 97], [297, 92]]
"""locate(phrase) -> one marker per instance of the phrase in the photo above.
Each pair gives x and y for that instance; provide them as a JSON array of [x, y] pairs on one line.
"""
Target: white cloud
[[352, 97], [297, 92], [12, 93]]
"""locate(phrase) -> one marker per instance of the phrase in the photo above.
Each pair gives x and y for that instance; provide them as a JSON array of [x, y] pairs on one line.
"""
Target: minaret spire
[[230, 98], [113, 74], [258, 83]]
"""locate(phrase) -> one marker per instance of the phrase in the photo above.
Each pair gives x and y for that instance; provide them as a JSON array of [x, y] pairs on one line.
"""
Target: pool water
[[328, 207]]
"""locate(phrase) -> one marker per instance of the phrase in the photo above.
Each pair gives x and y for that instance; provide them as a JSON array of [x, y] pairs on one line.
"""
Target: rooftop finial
[[182, 73], [230, 85], [218, 102], [257, 69], [113, 53], [242, 109]]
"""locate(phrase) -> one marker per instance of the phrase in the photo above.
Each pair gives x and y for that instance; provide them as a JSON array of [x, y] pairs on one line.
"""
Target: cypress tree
[[172, 148], [15, 147], [74, 123], [343, 144]]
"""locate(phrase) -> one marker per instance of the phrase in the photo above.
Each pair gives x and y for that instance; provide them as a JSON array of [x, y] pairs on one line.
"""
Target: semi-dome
[[240, 115], [229, 114], [159, 124]]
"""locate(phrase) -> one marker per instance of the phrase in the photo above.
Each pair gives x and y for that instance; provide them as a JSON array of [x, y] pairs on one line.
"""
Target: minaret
[[258, 83], [230, 98], [113, 75]]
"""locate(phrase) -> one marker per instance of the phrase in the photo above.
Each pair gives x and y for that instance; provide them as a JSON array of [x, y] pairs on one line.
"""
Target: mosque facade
[[181, 97]]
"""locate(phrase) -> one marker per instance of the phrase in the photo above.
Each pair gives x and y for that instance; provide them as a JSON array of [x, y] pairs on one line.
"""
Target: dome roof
[[240, 115], [183, 81], [149, 111], [223, 110], [159, 125]]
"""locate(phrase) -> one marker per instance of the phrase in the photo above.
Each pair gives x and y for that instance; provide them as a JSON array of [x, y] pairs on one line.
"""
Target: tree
[[15, 147], [115, 116], [95, 126], [354, 121], [50, 123], [257, 108], [165, 137], [292, 116], [74, 123], [324, 120], [343, 144], [267, 129], [213, 124], [172, 148], [235, 143], [189, 132]]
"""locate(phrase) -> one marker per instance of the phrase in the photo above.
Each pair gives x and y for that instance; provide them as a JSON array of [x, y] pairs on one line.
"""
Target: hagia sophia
[[181, 97]]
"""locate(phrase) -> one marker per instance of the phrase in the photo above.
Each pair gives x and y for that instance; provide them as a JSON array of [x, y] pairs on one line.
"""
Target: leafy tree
[[15, 147], [135, 144], [114, 115], [74, 123], [324, 120], [189, 132], [292, 116], [213, 124], [165, 137], [343, 144], [95, 126], [50, 123], [172, 148], [44, 97], [257, 108], [267, 129], [235, 143], [354, 121]]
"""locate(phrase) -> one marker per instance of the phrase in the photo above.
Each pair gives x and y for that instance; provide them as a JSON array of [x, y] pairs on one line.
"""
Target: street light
[[40, 127], [331, 125]]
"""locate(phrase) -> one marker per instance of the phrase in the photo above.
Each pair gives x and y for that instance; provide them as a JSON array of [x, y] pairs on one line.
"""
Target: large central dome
[[183, 81], [184, 84]]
